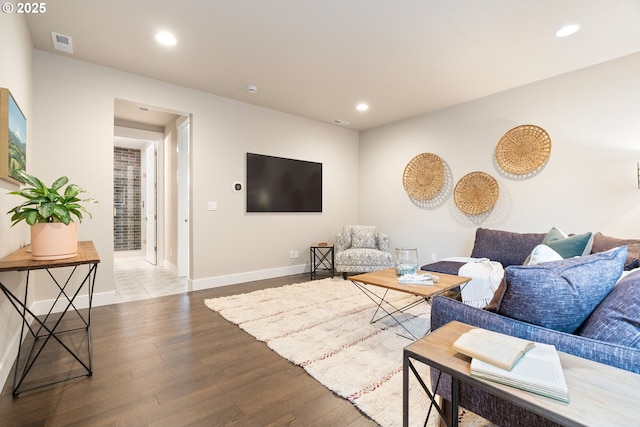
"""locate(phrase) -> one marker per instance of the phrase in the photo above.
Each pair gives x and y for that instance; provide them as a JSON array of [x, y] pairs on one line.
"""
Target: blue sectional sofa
[[554, 303]]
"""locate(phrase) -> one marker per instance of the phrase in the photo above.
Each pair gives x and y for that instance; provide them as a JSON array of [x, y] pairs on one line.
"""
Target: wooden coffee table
[[387, 280]]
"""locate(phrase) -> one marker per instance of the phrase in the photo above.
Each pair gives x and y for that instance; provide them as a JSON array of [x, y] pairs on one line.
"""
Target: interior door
[[183, 197], [150, 202]]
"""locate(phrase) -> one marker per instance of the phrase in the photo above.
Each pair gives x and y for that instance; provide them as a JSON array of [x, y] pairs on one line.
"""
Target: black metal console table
[[51, 328]]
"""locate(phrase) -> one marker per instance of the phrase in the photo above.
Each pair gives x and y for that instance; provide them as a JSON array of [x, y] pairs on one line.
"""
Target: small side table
[[599, 394], [322, 260], [48, 330]]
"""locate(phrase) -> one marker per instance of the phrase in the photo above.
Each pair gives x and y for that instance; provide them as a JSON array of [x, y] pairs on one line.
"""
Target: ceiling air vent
[[62, 42], [340, 122]]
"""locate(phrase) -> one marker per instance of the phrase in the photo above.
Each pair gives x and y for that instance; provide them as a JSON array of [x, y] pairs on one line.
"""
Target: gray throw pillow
[[617, 318], [506, 247], [560, 295], [603, 243]]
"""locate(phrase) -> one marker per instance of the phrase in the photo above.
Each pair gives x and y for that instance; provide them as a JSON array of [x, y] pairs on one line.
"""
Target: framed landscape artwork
[[13, 137]]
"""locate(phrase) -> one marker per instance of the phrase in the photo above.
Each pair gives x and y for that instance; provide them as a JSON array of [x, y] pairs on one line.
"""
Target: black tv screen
[[276, 184]]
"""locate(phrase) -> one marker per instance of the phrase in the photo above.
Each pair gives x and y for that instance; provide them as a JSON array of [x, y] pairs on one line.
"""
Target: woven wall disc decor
[[523, 149], [423, 176], [476, 193]]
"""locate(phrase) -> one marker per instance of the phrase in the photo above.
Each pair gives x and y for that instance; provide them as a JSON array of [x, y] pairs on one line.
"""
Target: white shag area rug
[[324, 327]]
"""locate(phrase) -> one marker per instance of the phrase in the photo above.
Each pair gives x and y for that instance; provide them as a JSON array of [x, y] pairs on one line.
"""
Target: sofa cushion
[[568, 246], [603, 243], [363, 257], [364, 236], [617, 318], [506, 247], [559, 295]]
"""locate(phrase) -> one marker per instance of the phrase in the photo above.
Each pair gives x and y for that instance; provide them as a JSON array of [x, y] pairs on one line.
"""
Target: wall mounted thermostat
[[237, 187]]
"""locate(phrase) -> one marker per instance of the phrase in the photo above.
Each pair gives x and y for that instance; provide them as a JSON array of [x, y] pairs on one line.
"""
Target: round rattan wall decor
[[423, 176], [524, 149], [476, 193]]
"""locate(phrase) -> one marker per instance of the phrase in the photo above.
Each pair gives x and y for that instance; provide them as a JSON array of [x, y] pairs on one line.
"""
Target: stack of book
[[515, 362], [419, 279]]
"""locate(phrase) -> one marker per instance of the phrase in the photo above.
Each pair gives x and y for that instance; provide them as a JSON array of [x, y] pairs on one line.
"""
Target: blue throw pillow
[[560, 295], [617, 318]]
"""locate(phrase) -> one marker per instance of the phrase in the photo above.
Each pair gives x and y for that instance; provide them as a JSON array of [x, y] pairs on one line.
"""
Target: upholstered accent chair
[[361, 249]]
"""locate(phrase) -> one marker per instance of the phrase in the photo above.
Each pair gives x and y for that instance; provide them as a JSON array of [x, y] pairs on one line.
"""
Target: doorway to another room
[[142, 223]]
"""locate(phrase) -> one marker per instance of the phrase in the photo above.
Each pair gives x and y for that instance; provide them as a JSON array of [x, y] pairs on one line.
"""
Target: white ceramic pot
[[54, 240]]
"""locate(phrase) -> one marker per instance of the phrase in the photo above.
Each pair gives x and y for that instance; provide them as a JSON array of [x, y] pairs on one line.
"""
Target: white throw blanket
[[485, 276]]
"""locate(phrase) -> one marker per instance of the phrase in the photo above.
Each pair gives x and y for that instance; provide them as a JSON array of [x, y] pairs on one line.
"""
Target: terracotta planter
[[54, 240]]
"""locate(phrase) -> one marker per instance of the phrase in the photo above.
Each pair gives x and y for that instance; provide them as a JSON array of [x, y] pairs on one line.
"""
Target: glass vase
[[406, 261]]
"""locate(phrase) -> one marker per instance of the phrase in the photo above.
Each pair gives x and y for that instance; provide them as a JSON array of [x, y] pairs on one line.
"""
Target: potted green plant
[[50, 211]]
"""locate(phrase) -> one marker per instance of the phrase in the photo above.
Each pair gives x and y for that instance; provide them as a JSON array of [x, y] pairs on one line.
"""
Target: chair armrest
[[383, 242], [343, 242]]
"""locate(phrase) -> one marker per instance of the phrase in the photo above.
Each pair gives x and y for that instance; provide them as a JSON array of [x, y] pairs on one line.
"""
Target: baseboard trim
[[82, 301], [106, 298], [250, 276]]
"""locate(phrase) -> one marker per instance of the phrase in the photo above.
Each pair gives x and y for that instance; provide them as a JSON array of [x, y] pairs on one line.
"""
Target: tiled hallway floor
[[136, 279]]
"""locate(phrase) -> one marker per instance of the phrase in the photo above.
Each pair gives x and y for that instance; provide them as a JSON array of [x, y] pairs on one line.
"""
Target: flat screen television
[[276, 184]]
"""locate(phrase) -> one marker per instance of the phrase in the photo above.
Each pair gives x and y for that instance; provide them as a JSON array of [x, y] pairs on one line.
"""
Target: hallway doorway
[[146, 253], [134, 196]]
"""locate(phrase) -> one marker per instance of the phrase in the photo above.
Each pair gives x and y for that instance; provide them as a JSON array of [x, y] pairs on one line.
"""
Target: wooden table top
[[22, 260], [599, 395], [388, 279]]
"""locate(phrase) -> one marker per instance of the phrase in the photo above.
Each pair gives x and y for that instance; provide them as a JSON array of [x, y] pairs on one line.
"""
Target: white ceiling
[[319, 58]]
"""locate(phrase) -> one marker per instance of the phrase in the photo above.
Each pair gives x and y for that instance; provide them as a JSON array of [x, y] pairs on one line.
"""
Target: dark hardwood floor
[[171, 361]]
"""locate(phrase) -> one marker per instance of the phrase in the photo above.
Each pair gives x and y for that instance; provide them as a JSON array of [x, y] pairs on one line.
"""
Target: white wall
[[74, 120], [16, 65], [588, 184]]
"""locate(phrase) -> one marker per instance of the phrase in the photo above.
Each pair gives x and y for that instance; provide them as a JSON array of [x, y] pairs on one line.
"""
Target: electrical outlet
[[433, 256], [291, 254], [295, 254]]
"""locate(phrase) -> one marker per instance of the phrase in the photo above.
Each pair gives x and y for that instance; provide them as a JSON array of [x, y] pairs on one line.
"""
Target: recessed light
[[166, 38], [362, 107], [567, 30]]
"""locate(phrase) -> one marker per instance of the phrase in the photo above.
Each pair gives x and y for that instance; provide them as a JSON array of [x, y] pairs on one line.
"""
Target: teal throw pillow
[[568, 246]]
